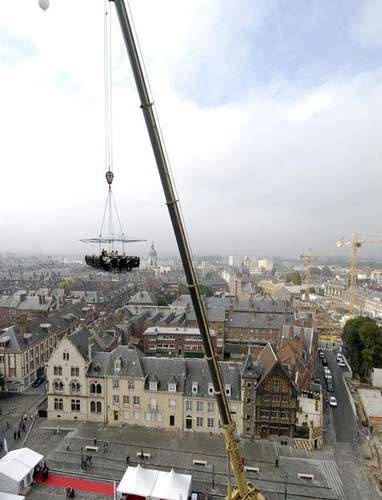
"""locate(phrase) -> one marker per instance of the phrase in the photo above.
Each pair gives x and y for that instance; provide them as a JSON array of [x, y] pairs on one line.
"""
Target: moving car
[[38, 381], [333, 401]]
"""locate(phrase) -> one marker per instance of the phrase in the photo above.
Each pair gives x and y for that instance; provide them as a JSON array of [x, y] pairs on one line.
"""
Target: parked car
[[333, 401], [329, 385], [339, 357], [38, 381], [321, 354], [341, 364], [324, 361]]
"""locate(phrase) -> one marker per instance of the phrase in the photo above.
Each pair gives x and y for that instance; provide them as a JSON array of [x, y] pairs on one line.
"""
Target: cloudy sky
[[271, 112]]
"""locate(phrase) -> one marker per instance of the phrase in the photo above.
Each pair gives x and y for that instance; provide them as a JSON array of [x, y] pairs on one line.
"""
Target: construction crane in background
[[243, 490], [307, 258], [356, 242]]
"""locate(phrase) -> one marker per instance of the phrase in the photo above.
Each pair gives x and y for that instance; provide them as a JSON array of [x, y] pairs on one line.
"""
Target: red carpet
[[77, 484]]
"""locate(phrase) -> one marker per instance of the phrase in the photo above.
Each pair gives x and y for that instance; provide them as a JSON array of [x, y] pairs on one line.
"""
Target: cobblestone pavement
[[13, 407]]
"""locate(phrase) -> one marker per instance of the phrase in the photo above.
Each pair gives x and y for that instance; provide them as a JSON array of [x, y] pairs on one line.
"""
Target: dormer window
[[153, 386], [210, 389], [117, 365], [194, 388], [171, 387], [65, 356], [228, 390]]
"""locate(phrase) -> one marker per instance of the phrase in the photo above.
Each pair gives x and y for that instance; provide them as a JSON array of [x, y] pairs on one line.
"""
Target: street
[[344, 427]]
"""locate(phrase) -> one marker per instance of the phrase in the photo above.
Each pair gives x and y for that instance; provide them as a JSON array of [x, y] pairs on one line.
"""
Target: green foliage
[[363, 338], [63, 284], [294, 277]]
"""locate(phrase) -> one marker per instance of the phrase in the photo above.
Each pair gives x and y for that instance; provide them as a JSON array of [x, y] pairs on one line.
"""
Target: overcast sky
[[271, 112]]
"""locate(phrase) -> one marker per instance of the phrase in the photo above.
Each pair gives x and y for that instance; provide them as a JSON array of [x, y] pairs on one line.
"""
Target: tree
[[294, 277], [363, 339], [204, 290]]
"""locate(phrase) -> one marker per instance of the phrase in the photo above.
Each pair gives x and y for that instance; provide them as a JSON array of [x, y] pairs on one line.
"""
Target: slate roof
[[141, 297]]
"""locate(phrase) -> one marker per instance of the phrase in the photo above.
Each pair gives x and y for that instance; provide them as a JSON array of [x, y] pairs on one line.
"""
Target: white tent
[[172, 486], [16, 469], [25, 456], [14, 476], [137, 481], [10, 496]]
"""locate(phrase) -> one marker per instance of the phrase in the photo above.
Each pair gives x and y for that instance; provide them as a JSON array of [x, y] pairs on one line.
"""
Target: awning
[[172, 486], [138, 481]]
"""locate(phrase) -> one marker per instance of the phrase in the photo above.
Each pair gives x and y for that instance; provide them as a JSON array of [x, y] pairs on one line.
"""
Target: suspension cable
[[108, 85]]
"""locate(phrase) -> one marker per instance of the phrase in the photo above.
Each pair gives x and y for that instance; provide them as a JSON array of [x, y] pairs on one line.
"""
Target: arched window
[[99, 407], [92, 406], [92, 388], [58, 385], [75, 386], [99, 389]]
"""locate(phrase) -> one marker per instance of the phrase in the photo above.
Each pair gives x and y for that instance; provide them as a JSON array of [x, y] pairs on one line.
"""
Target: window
[[58, 404], [117, 365], [172, 403], [153, 386], [210, 422], [99, 389], [284, 414], [188, 405], [115, 383], [92, 388], [264, 414], [75, 387], [130, 384], [275, 414], [98, 407], [74, 371], [126, 400], [136, 415], [126, 414], [153, 403], [210, 389], [58, 385], [136, 400], [115, 399], [210, 407], [172, 420], [171, 387], [92, 406], [284, 398], [228, 390], [147, 416], [194, 388], [57, 370], [75, 405], [159, 417], [199, 421], [276, 385], [65, 356], [276, 398], [233, 410], [266, 399], [199, 406]]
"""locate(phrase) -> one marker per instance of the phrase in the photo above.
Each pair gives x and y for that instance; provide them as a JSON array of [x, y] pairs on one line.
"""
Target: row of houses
[[125, 387]]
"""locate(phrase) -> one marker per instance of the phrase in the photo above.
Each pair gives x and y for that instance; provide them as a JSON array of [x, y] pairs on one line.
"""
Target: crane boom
[[356, 242], [308, 276], [244, 489]]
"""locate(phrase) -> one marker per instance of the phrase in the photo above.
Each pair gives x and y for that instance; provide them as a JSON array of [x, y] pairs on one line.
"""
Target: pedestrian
[[23, 427], [105, 447], [14, 435], [277, 463], [95, 441], [67, 445], [8, 426], [18, 434], [127, 460]]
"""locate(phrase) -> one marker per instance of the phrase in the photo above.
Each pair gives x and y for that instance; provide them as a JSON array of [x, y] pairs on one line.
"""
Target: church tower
[[153, 261]]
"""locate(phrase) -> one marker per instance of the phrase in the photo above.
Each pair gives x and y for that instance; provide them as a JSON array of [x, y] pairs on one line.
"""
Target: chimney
[[90, 348]]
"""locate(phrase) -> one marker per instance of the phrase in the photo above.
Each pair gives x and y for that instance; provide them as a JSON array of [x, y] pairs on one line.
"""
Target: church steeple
[[153, 261]]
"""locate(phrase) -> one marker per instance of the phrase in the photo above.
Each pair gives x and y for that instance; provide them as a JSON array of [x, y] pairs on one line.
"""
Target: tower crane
[[243, 490], [307, 258], [356, 242]]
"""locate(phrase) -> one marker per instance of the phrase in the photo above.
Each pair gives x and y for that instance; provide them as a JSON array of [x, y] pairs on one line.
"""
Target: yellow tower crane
[[307, 258], [355, 243]]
